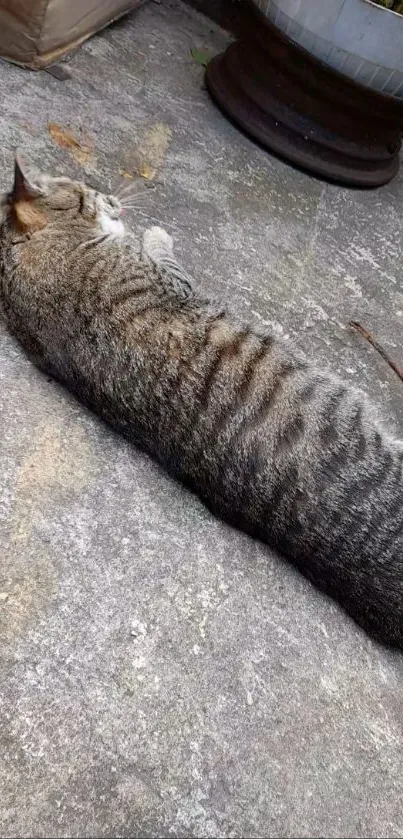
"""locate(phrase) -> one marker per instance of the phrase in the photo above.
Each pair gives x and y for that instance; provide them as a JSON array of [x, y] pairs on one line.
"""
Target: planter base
[[304, 111]]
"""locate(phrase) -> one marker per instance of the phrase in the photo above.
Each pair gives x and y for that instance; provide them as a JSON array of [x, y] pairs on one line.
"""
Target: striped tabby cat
[[274, 445]]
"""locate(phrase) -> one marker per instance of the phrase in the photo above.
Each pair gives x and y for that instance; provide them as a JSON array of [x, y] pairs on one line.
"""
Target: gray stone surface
[[160, 673]]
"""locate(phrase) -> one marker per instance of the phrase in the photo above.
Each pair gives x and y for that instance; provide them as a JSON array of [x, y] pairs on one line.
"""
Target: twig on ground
[[371, 340]]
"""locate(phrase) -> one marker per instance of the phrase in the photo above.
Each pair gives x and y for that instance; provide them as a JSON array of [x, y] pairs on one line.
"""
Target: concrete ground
[[160, 673]]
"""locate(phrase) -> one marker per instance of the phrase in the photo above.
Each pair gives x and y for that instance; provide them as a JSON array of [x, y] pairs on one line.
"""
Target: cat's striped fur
[[279, 448]]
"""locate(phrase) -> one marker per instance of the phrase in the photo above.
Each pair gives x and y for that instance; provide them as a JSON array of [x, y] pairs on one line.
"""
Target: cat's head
[[38, 200]]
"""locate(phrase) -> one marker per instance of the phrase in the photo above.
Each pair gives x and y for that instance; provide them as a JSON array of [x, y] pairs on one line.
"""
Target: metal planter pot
[[310, 86]]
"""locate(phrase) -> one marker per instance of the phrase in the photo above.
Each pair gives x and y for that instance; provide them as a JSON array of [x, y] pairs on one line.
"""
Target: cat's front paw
[[157, 243]]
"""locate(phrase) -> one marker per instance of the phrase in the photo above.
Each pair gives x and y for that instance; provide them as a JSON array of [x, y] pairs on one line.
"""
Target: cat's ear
[[27, 215], [25, 188]]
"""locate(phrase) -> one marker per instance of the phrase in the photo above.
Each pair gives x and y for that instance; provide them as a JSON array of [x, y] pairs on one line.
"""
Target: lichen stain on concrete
[[55, 467], [148, 158]]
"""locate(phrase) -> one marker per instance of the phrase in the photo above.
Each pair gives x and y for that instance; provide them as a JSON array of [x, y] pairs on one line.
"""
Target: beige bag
[[36, 33]]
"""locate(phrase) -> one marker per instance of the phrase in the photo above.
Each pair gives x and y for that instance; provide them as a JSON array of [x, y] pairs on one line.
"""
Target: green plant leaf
[[200, 57]]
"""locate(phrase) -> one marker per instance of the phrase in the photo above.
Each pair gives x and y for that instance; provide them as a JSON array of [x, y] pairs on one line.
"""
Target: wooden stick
[[371, 340]]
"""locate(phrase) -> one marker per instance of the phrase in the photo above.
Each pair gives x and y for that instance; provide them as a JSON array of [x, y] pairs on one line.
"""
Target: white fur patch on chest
[[113, 226]]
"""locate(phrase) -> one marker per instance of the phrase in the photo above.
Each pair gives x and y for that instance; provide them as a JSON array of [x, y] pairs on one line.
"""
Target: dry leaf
[[125, 174], [200, 57], [79, 150], [145, 171], [147, 159], [153, 149]]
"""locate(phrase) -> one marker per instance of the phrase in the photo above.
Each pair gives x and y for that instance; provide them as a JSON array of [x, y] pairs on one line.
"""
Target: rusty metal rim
[[286, 100]]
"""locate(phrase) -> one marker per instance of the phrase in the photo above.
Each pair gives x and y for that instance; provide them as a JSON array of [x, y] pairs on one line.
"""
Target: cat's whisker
[[128, 199], [121, 193], [132, 209], [134, 203], [135, 197], [135, 188], [132, 206], [129, 188]]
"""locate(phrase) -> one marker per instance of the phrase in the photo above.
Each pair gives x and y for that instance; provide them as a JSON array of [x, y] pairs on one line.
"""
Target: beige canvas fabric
[[36, 33]]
